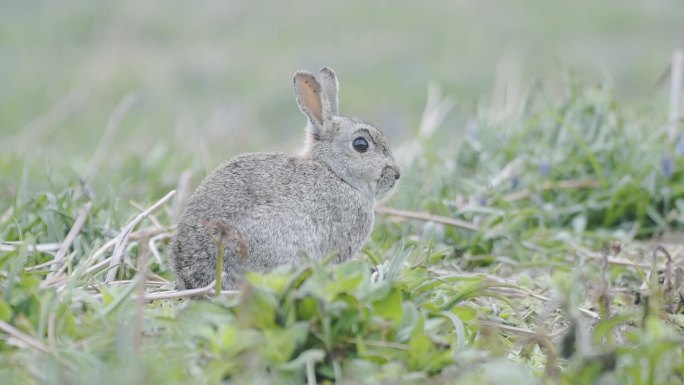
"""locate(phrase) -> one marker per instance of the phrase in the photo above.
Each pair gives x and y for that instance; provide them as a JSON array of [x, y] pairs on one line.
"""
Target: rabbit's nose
[[397, 174]]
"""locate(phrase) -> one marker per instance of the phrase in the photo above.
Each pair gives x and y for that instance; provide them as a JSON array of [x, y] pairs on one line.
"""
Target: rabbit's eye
[[360, 144]]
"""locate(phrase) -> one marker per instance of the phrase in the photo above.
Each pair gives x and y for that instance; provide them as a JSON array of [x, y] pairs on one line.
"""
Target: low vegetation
[[552, 255]]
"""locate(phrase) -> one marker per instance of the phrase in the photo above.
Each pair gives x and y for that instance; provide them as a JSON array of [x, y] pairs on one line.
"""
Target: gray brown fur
[[288, 208]]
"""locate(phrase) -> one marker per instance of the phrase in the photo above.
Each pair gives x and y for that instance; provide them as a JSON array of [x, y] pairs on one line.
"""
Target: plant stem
[[220, 245]]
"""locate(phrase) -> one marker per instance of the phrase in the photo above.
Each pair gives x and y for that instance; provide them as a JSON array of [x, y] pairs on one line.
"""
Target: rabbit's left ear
[[329, 93]]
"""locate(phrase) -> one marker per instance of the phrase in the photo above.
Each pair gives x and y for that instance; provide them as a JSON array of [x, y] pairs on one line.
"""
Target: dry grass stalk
[[126, 232], [152, 244], [59, 273], [427, 217], [508, 328], [152, 217], [543, 298], [69, 240], [175, 294], [144, 233], [23, 337], [59, 280], [148, 282], [40, 248]]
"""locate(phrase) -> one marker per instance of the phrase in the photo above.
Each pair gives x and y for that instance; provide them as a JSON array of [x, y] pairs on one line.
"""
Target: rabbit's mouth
[[387, 183]]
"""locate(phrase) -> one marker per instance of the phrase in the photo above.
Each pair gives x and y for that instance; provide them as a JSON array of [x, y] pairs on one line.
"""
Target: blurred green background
[[207, 80]]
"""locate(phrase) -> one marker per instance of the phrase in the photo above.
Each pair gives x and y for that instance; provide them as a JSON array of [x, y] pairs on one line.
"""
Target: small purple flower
[[483, 201], [544, 169], [667, 166]]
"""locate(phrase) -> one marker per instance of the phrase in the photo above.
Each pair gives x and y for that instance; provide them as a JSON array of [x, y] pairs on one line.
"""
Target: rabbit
[[281, 209]]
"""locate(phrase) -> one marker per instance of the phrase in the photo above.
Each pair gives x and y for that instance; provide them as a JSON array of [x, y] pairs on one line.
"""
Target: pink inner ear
[[309, 95]]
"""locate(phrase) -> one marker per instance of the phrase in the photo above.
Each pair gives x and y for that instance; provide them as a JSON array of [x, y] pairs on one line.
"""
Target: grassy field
[[535, 136]]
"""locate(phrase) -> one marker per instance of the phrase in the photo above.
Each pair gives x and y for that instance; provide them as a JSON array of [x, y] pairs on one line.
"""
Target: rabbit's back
[[286, 208]]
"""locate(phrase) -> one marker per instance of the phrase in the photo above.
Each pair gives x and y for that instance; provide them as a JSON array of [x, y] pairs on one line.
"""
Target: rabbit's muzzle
[[388, 180]]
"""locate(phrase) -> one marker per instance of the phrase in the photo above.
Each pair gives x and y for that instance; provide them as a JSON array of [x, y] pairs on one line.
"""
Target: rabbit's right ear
[[308, 94], [329, 92]]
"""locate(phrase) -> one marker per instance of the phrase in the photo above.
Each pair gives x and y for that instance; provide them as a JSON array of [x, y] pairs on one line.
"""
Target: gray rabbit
[[280, 209]]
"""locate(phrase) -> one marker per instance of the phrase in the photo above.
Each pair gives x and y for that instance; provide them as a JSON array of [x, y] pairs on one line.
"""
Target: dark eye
[[360, 144]]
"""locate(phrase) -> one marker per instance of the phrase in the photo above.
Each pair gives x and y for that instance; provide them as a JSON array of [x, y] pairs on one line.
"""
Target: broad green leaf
[[465, 313], [420, 352], [459, 329], [376, 292], [307, 308], [408, 322], [280, 343], [275, 280], [390, 307], [257, 309], [343, 284]]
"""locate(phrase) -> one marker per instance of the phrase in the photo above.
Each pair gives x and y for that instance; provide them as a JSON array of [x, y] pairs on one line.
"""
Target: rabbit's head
[[354, 150]]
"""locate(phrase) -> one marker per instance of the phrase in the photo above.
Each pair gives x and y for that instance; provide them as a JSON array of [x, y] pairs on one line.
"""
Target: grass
[[561, 275]]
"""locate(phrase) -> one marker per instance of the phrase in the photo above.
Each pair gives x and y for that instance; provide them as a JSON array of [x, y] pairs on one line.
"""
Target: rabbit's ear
[[329, 88], [308, 94]]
